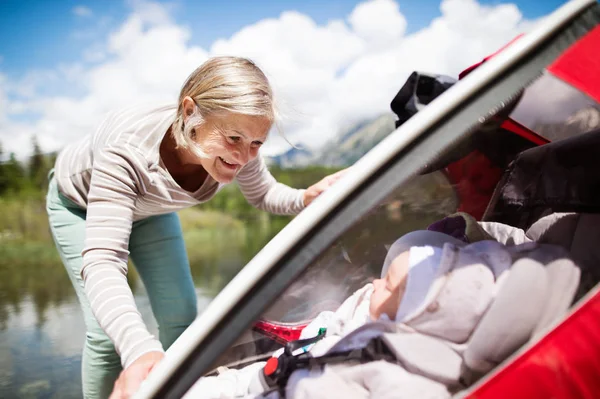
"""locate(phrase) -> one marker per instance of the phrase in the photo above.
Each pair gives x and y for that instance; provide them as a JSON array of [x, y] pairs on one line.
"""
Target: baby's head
[[388, 295], [388, 290]]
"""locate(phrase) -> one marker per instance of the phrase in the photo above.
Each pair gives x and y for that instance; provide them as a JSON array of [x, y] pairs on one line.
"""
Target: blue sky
[[43, 33], [64, 64]]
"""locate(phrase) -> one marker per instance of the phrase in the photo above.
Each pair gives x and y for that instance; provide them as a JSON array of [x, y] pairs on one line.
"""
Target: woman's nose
[[241, 155]]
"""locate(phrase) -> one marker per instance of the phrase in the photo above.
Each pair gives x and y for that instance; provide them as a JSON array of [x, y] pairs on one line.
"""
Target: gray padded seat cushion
[[579, 234], [533, 297], [563, 280], [513, 316]]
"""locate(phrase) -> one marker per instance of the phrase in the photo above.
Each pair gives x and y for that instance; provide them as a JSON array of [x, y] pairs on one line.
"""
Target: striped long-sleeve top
[[116, 174]]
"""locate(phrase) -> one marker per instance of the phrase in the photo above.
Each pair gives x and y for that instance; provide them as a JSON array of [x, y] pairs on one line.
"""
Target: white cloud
[[82, 11], [378, 21], [152, 13], [325, 76]]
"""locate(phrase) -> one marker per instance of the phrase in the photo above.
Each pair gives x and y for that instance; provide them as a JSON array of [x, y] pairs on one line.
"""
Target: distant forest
[[25, 177]]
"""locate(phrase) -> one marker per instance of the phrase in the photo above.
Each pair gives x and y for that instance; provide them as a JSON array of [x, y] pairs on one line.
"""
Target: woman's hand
[[131, 378], [316, 189]]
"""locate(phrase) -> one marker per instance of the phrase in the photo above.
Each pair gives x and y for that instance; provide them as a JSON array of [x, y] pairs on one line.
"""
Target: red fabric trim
[[281, 333], [522, 131], [580, 65]]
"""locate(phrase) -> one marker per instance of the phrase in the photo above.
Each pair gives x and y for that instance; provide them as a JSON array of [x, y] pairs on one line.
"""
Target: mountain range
[[343, 150]]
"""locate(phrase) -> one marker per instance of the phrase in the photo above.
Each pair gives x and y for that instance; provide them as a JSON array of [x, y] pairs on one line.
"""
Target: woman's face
[[230, 141]]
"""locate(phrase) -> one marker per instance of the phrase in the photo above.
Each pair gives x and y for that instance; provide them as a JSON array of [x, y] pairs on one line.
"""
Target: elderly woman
[[115, 194]]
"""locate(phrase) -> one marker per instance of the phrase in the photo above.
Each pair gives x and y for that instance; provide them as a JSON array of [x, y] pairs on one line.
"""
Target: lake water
[[41, 327], [43, 360]]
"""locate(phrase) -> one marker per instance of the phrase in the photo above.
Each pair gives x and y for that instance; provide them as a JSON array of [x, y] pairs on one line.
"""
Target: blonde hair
[[222, 85]]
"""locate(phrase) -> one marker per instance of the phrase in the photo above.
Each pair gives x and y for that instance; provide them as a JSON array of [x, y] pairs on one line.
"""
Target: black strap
[[276, 377]]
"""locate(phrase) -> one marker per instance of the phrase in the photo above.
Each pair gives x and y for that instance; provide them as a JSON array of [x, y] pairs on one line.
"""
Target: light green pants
[[157, 249]]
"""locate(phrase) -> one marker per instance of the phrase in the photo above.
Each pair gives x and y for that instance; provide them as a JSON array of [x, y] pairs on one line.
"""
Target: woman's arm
[[263, 192], [113, 190]]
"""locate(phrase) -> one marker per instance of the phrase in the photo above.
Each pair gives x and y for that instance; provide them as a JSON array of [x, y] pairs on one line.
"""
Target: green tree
[[14, 174], [37, 166], [3, 182]]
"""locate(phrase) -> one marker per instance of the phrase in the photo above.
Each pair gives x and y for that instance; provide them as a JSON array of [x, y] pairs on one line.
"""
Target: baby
[[366, 304], [441, 289]]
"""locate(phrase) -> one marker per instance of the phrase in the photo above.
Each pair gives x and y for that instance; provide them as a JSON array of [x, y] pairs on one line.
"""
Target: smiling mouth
[[228, 165]]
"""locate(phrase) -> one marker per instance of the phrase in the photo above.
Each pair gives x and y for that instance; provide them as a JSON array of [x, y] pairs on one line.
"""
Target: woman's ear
[[189, 106]]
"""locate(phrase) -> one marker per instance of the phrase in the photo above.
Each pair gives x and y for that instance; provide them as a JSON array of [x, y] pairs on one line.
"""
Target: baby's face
[[388, 291]]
